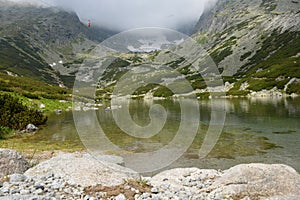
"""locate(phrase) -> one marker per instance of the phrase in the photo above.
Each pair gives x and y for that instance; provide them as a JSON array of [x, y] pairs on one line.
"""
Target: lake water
[[260, 130]]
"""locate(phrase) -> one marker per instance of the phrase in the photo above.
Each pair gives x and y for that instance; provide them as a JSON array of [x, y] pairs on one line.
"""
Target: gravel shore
[[79, 176]]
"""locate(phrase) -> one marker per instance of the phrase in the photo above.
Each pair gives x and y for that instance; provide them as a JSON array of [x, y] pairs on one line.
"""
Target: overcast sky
[[127, 14]]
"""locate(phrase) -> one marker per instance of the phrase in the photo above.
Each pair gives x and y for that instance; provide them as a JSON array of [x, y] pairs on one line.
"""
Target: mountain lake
[[255, 130]]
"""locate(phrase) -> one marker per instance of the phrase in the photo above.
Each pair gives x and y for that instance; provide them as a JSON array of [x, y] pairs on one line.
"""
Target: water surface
[[260, 130]]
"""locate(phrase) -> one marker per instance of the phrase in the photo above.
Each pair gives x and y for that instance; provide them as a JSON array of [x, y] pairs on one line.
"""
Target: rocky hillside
[[43, 43], [255, 41], [255, 44]]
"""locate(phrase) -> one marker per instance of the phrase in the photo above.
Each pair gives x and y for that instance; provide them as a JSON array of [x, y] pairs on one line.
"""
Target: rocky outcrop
[[83, 169], [235, 30], [249, 181], [12, 162]]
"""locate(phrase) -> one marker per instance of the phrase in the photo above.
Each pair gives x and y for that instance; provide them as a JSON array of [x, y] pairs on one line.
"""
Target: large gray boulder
[[12, 162], [246, 181], [82, 169], [258, 181]]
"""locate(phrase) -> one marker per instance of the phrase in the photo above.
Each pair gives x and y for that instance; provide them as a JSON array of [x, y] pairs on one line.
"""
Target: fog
[[127, 14]]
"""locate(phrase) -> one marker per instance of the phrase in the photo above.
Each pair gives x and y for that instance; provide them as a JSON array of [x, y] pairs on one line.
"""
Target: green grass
[[219, 55], [293, 88], [246, 55], [31, 88], [25, 62], [267, 84], [163, 91], [276, 59], [115, 70]]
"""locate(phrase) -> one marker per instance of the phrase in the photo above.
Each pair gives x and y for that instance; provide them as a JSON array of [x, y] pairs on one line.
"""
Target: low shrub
[[15, 115]]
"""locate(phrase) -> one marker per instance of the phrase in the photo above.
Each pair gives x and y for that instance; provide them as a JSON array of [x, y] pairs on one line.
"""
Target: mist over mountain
[[123, 15]]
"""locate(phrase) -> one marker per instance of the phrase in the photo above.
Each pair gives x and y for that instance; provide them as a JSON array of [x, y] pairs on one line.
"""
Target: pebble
[[52, 187], [120, 197], [154, 190]]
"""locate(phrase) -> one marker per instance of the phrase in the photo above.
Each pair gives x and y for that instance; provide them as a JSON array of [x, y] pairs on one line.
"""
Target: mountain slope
[[43, 43], [257, 41]]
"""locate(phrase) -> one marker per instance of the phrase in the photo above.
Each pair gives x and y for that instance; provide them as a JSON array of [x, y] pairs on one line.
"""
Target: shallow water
[[255, 130]]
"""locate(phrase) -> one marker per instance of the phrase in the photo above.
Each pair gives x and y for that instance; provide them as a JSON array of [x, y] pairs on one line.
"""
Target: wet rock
[[12, 162]]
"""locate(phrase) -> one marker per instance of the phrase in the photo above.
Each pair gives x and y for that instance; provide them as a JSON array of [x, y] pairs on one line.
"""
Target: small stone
[[14, 191], [39, 186], [127, 187], [120, 197], [17, 178], [39, 192], [23, 192], [55, 186], [86, 197], [101, 194], [72, 183], [156, 197], [165, 186], [145, 195], [5, 190], [154, 190]]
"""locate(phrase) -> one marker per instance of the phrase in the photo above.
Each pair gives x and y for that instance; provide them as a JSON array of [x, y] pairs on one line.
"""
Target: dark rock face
[[11, 162]]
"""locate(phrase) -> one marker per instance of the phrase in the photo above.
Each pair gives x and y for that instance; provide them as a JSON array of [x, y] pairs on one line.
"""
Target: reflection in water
[[256, 130]]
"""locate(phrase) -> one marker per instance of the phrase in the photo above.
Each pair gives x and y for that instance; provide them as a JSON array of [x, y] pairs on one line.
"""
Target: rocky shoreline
[[80, 176]]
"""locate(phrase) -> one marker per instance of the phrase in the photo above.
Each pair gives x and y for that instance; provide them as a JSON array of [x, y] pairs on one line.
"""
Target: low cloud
[[127, 14]]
